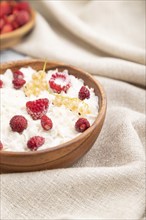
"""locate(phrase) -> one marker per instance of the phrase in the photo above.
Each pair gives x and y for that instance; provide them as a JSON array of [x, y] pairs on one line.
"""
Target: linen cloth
[[107, 39]]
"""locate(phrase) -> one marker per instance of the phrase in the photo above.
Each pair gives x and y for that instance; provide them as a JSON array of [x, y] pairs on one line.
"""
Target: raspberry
[[22, 17], [1, 145], [2, 23], [82, 124], [11, 20], [18, 123], [1, 84], [84, 93], [35, 142], [18, 74], [15, 25], [18, 83], [22, 6], [46, 123], [64, 82], [5, 8], [12, 3], [6, 28], [36, 109]]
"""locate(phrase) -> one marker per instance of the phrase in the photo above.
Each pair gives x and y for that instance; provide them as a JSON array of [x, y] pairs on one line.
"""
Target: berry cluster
[[13, 14], [37, 110], [18, 80], [18, 123]]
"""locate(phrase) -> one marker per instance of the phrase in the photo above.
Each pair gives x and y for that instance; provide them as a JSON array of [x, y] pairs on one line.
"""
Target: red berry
[[6, 28], [5, 8], [18, 74], [18, 123], [22, 17], [35, 142], [1, 84], [15, 25], [9, 19], [2, 23], [18, 83], [12, 3], [36, 109], [1, 145], [84, 93], [23, 6], [63, 84], [82, 124], [46, 123]]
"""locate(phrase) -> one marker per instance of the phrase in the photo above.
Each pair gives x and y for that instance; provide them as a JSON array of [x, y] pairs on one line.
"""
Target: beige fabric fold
[[105, 38]]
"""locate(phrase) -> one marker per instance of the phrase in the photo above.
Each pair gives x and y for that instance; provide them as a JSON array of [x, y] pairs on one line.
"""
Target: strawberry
[[36, 109]]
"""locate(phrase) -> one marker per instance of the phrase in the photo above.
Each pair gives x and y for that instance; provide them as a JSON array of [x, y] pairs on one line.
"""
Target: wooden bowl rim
[[21, 30], [86, 133]]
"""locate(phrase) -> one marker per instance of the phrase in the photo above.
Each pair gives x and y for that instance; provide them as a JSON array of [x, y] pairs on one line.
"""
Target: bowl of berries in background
[[53, 118], [17, 19]]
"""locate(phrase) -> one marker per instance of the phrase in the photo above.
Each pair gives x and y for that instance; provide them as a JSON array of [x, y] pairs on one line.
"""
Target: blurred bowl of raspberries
[[17, 18]]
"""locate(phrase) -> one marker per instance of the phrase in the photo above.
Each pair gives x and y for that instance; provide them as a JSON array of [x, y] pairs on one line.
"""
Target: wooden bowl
[[10, 39], [63, 155]]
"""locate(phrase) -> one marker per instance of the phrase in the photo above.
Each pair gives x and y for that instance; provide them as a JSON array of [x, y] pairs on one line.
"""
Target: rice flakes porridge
[[40, 110]]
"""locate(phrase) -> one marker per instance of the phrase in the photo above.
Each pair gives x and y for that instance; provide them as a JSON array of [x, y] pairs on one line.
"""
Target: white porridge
[[62, 109]]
